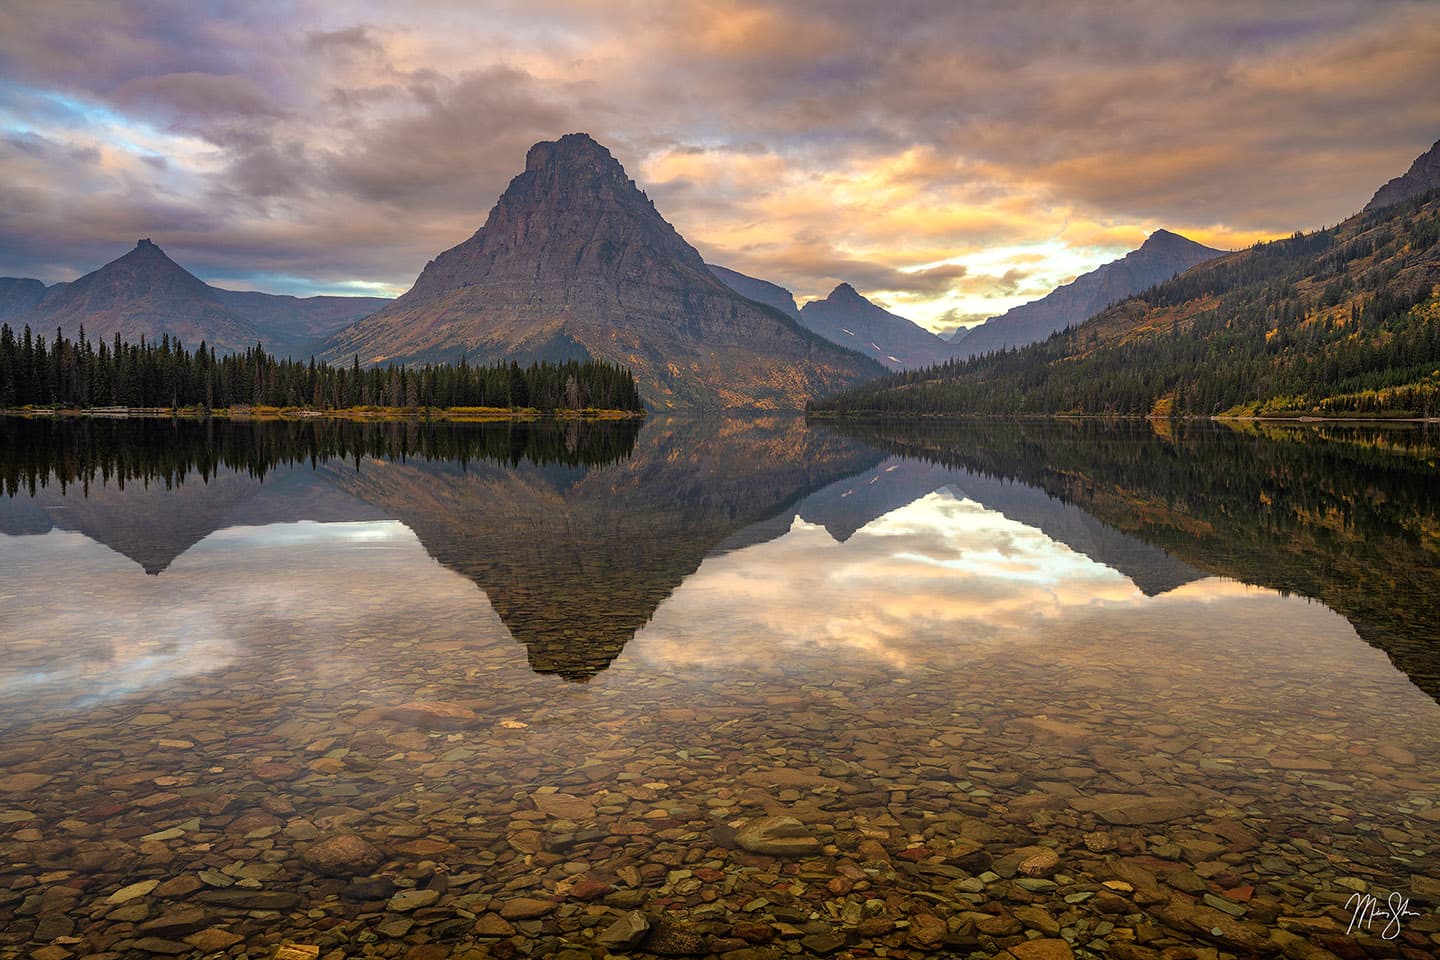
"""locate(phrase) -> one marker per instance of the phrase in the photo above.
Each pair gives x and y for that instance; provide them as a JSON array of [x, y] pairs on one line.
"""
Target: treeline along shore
[[66, 374]]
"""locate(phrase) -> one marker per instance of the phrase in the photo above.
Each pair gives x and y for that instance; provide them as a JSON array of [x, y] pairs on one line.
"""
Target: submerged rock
[[777, 837]]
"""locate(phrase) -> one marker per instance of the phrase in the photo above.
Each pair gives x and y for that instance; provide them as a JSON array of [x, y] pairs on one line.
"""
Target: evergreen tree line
[[77, 373], [35, 453], [1269, 332]]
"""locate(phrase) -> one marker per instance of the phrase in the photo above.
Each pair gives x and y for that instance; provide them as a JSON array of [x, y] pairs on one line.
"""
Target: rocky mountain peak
[[575, 261], [844, 292], [1422, 177]]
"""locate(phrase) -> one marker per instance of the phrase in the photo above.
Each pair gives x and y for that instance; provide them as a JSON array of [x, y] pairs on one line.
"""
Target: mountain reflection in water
[[579, 533]]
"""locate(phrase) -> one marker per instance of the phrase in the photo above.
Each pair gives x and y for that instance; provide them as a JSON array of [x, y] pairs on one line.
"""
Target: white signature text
[[1366, 909]]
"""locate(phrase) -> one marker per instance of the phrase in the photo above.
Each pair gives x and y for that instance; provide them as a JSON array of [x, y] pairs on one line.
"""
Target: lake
[[751, 688]]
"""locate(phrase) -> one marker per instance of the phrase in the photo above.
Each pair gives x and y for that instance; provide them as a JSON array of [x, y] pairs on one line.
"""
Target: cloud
[[807, 142]]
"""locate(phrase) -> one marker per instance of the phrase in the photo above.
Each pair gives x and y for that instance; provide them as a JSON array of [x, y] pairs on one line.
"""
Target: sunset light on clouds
[[949, 160]]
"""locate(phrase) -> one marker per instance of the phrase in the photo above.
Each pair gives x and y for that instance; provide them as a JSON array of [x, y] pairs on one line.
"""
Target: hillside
[[574, 261], [1340, 322], [1160, 257]]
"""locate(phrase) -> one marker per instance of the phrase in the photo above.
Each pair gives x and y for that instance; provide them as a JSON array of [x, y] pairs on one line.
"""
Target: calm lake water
[[744, 688]]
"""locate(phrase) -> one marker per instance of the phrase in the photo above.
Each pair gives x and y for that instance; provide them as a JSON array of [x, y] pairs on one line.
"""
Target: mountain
[[1160, 257], [574, 261], [1342, 322], [1422, 177], [18, 295], [850, 320], [145, 293], [761, 291], [294, 324]]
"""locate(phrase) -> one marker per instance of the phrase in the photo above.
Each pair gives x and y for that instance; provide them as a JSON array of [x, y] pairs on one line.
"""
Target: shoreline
[[350, 414], [877, 415]]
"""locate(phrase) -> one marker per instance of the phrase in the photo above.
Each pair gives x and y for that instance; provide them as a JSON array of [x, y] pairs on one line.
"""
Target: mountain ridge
[[1163, 255]]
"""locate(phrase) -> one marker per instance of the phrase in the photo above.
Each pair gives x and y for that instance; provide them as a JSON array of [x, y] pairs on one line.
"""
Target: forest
[[35, 453], [1340, 322], [65, 373]]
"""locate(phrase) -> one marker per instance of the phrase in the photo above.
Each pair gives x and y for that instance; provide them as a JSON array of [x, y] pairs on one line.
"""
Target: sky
[[950, 160]]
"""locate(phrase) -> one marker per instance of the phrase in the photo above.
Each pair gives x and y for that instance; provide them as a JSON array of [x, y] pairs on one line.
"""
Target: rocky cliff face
[[1422, 177], [847, 318], [761, 291], [1162, 256], [574, 261]]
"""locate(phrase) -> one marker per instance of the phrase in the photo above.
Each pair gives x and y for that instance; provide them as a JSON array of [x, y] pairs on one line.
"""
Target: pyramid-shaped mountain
[[1422, 178], [574, 261], [1160, 257], [847, 318], [144, 293]]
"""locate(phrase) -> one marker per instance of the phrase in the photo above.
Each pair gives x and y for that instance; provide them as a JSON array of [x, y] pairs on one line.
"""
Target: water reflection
[[1000, 715], [1348, 515]]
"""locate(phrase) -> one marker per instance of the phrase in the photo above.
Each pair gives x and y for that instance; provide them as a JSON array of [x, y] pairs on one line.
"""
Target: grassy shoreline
[[1218, 418], [367, 413]]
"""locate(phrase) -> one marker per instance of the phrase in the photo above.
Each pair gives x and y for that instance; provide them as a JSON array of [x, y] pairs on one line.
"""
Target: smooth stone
[[132, 892], [407, 900], [525, 908], [296, 951], [177, 923], [564, 805], [1048, 949], [432, 715], [250, 899], [368, 888], [342, 856], [213, 940], [927, 931], [169, 948], [777, 837], [1123, 809], [625, 933], [492, 926]]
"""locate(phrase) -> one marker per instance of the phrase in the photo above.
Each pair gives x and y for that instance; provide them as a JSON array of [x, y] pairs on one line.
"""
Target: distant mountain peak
[[1163, 240], [1422, 177], [145, 243], [849, 319]]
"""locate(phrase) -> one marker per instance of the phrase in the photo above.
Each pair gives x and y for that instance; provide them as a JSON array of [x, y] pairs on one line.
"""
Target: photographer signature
[[1366, 909]]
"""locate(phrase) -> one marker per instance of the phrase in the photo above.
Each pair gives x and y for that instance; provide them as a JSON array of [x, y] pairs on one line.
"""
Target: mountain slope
[[296, 324], [574, 261], [144, 293], [850, 320], [18, 295], [761, 291], [1422, 177], [1160, 257], [1340, 322]]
